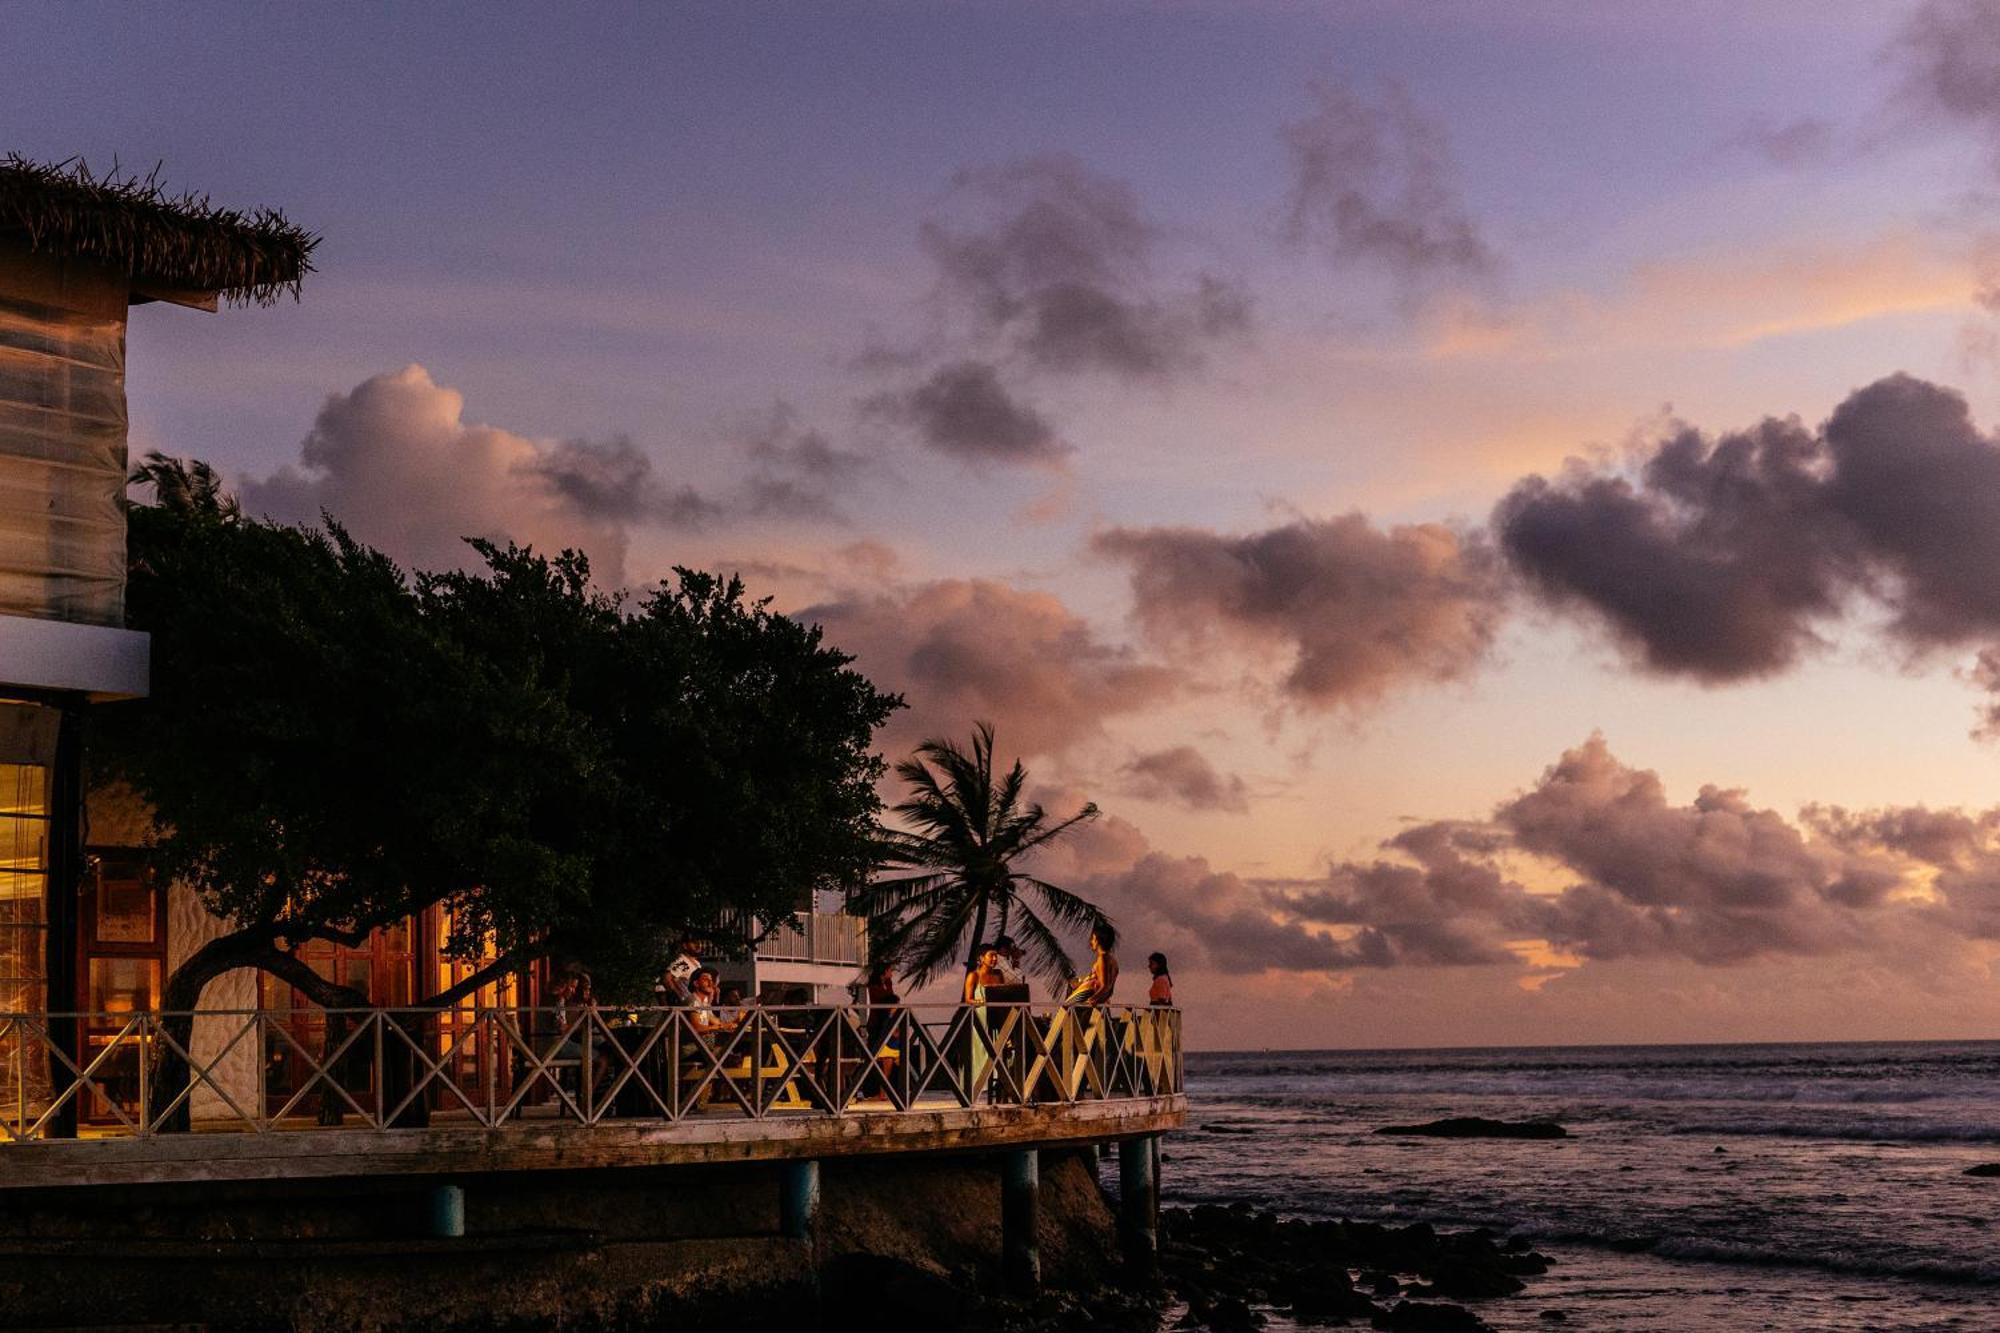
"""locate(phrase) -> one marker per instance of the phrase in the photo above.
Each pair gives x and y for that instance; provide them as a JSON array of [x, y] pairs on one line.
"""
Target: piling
[[447, 1219], [1020, 1188], [798, 1199], [1139, 1202]]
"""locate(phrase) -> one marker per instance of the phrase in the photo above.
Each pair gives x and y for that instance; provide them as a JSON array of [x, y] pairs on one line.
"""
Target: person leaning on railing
[[1096, 985]]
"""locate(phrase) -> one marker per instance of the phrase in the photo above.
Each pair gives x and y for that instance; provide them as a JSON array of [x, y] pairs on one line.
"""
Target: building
[[76, 252]]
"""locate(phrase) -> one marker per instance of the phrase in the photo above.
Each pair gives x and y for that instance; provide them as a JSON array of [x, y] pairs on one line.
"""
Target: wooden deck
[[526, 1145]]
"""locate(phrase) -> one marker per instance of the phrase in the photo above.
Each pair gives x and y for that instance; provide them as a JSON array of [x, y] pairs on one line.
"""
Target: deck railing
[[260, 1071]]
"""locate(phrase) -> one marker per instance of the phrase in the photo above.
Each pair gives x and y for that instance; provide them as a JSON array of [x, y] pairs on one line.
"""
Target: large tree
[[958, 868], [331, 746]]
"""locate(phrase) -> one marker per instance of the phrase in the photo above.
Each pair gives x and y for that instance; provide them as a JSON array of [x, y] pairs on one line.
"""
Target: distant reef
[[1477, 1127]]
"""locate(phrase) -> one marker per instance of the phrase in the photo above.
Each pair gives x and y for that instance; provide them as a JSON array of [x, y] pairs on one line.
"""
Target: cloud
[[1592, 864], [1805, 142], [1714, 563], [1949, 58], [1359, 610], [967, 650], [1199, 916], [1721, 556], [964, 410], [1717, 881], [396, 462], [1055, 263], [1182, 774], [1374, 184], [796, 469]]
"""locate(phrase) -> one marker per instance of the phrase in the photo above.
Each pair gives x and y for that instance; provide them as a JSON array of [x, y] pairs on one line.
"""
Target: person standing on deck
[[1096, 985], [1161, 992]]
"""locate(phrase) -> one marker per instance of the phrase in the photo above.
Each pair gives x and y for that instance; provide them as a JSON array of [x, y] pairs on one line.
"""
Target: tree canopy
[[332, 745]]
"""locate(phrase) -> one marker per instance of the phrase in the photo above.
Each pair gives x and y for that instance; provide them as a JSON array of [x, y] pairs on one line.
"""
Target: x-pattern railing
[[262, 1071]]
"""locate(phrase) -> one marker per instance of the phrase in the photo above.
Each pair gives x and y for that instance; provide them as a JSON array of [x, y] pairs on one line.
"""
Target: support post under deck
[[447, 1218], [1020, 1188], [798, 1199], [1138, 1202]]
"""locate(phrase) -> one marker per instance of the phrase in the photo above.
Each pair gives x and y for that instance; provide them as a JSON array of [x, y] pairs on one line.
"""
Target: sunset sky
[[1497, 502]]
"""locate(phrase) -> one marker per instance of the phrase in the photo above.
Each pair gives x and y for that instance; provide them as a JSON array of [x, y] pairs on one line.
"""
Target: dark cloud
[[396, 462], [965, 650], [1593, 862], [1799, 143], [1183, 775], [1375, 184], [1950, 65], [1716, 881], [1720, 558], [964, 410], [1055, 263], [1360, 610], [613, 479], [1713, 563], [796, 470]]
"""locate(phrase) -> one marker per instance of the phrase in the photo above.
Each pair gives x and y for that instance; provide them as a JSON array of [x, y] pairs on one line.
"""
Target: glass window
[[121, 985], [125, 909]]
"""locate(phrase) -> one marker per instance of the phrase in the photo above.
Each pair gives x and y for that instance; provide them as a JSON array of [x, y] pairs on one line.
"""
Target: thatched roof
[[133, 225]]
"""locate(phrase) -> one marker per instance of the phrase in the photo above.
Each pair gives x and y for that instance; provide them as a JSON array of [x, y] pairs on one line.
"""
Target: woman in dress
[[985, 971]]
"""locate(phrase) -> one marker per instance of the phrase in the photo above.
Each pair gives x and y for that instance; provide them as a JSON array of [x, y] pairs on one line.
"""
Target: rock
[[1232, 1316], [1424, 1317], [1382, 1284], [1478, 1127], [1215, 1128], [1720, 1148], [1475, 1280], [1553, 1316], [890, 1290], [1326, 1296], [1984, 1169]]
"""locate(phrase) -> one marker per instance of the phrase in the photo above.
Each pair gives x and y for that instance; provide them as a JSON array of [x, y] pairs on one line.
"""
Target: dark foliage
[[332, 746]]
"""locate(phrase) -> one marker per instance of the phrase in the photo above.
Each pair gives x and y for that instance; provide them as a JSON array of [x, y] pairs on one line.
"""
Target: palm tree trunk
[[978, 935]]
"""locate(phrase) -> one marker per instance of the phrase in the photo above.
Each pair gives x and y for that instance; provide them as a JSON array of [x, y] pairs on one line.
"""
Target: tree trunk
[[183, 991], [978, 935]]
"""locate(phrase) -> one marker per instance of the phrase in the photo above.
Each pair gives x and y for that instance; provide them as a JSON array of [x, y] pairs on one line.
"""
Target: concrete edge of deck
[[567, 1146]]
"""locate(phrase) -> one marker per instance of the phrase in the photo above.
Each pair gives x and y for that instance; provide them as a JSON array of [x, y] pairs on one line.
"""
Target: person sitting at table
[[731, 1008], [574, 1001], [703, 1007]]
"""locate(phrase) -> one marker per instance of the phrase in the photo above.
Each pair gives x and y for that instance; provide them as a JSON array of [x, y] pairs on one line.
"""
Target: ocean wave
[[1327, 1089], [1864, 1131], [1858, 1263]]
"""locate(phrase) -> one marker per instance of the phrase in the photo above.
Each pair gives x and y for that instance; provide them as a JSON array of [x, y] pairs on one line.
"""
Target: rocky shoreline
[[1223, 1268]]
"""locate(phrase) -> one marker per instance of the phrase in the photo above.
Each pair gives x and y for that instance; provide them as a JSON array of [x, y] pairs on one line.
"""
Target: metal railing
[[818, 937], [261, 1071]]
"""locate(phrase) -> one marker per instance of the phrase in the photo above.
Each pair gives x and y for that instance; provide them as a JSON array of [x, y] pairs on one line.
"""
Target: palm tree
[[187, 488], [964, 833]]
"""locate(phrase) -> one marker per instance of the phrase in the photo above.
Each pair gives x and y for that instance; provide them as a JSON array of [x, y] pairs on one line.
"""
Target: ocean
[[1702, 1187]]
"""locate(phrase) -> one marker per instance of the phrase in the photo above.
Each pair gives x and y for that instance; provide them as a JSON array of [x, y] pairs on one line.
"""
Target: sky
[[1497, 503]]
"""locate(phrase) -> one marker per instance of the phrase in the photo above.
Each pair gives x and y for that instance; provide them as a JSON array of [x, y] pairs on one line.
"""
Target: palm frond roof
[[132, 225]]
